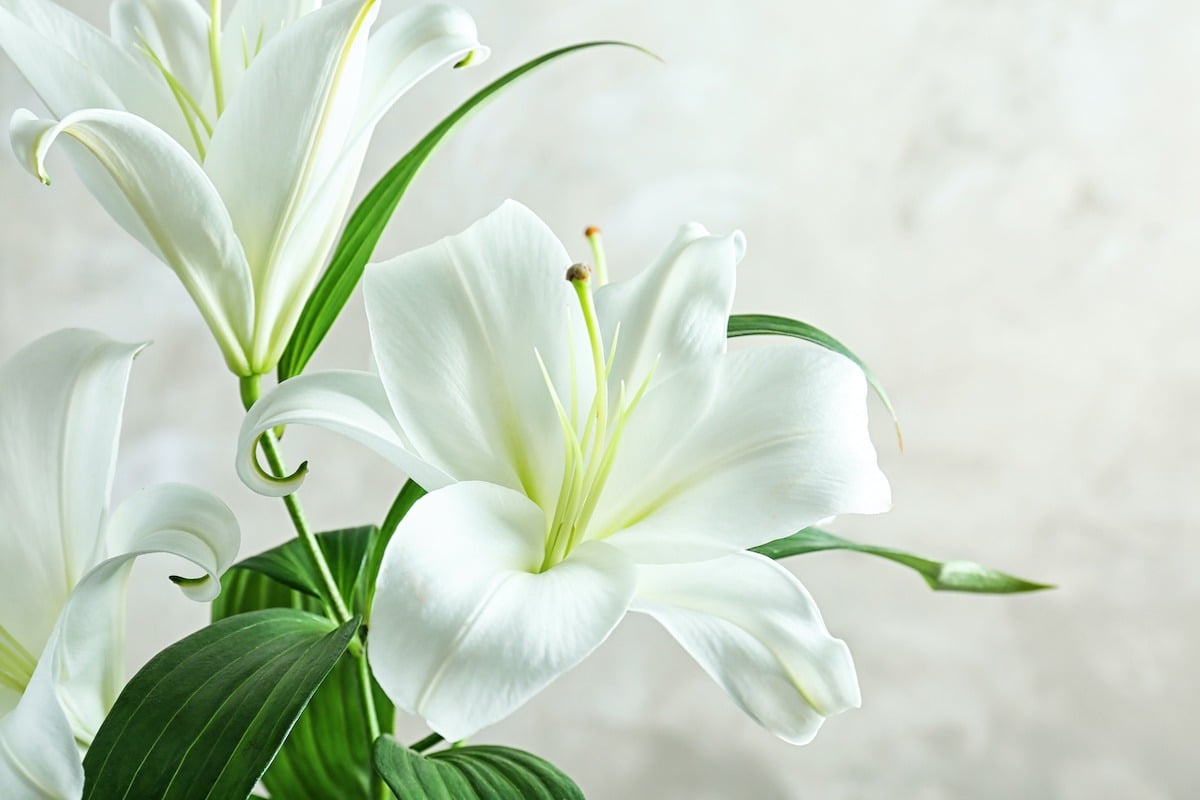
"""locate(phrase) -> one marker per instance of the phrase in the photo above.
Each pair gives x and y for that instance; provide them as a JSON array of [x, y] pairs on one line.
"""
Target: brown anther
[[591, 231], [579, 272]]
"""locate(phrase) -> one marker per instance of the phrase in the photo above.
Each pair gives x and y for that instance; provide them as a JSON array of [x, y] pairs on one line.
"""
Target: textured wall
[[994, 203]]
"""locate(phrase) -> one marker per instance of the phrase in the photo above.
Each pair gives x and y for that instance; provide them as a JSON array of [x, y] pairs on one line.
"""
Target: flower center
[[16, 665], [199, 125], [588, 454]]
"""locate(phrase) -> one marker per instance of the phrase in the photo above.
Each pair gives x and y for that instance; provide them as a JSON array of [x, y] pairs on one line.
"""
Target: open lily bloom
[[589, 452], [66, 559], [230, 151]]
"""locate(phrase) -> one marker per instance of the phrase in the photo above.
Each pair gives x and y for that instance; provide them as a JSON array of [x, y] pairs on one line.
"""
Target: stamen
[[588, 458], [593, 237], [191, 109], [214, 54]]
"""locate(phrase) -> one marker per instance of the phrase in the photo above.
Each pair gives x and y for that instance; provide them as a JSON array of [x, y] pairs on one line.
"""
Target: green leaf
[[205, 717], [327, 754], [368, 221], [482, 772], [943, 576], [768, 324], [345, 551]]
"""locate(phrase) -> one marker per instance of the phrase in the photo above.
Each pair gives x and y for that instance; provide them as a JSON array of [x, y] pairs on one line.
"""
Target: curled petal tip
[[476, 56]]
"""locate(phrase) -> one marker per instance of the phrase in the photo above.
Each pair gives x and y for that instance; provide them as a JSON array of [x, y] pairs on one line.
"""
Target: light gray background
[[994, 203]]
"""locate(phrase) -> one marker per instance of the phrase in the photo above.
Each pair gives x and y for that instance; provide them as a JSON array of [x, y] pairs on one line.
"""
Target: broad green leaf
[[767, 324], [368, 221], [943, 576], [327, 756], [205, 717], [483, 772], [345, 550]]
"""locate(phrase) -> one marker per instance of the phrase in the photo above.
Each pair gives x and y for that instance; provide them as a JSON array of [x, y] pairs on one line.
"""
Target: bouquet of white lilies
[[575, 448]]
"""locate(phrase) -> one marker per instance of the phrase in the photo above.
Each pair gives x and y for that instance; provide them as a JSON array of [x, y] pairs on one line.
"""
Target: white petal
[[153, 188], [250, 26], [60, 416], [176, 31], [353, 404], [278, 140], [779, 444], [51, 32], [752, 626], [480, 408], [675, 312], [89, 652], [39, 759], [60, 80], [407, 48], [464, 629]]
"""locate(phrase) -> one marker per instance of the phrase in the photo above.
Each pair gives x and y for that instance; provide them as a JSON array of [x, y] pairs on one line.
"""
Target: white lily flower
[[66, 558], [555, 508], [230, 151]]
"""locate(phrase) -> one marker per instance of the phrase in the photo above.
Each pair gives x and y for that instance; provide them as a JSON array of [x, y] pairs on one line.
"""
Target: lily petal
[[60, 80], [50, 32], [39, 759], [250, 26], [353, 404], [280, 138], [780, 443], [175, 31], [676, 312], [80, 673], [399, 54], [481, 409], [754, 628], [406, 49], [154, 190], [55, 473], [465, 629], [172, 519]]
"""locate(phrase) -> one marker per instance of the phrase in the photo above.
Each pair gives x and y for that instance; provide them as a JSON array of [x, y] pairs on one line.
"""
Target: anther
[[579, 272]]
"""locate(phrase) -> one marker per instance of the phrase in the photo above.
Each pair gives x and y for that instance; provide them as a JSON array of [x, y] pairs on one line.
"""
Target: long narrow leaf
[[768, 324], [205, 717], [942, 576], [368, 221]]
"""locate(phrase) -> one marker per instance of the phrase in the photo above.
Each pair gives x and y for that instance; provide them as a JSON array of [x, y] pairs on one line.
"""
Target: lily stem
[[426, 743], [251, 388]]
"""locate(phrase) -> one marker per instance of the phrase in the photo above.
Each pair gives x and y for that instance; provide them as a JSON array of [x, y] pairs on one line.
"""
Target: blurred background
[[994, 204]]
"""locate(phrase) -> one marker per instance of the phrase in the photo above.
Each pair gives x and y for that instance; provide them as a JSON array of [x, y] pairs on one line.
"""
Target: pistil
[[588, 457]]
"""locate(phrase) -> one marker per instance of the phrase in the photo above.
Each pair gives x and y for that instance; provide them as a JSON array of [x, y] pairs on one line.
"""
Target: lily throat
[[589, 453]]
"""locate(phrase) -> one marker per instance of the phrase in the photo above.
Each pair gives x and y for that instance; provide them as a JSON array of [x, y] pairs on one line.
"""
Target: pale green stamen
[[247, 56], [192, 113], [16, 664], [588, 458], [214, 55], [597, 245]]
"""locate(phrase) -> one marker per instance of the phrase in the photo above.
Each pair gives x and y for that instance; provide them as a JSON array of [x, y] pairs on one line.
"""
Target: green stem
[[251, 388], [426, 743], [378, 789]]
